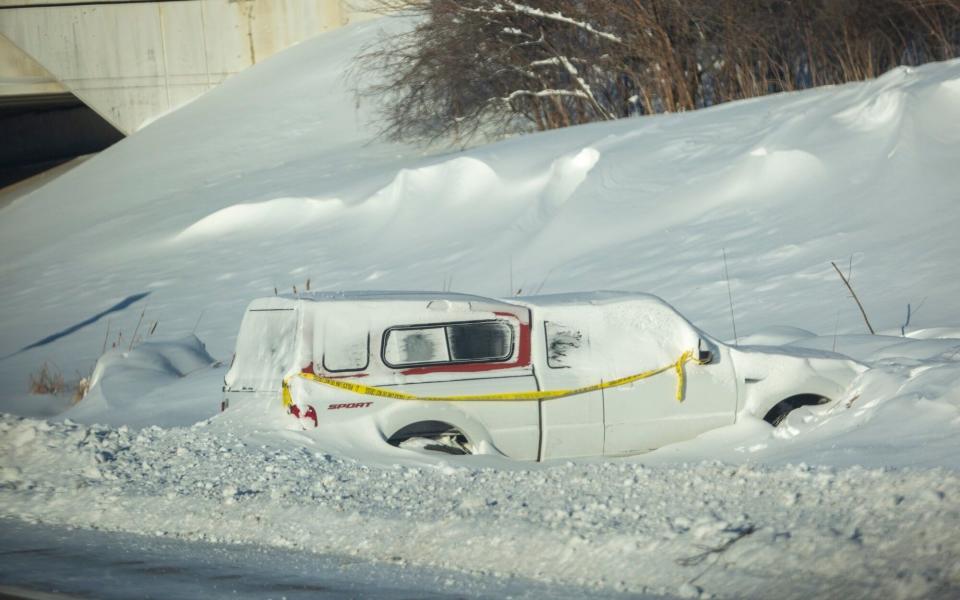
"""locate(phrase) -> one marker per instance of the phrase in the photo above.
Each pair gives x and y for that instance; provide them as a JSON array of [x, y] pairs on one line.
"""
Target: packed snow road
[[70, 564], [700, 529]]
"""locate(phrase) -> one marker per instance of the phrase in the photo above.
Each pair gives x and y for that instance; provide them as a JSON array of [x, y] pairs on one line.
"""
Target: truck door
[[646, 414], [469, 357], [571, 426]]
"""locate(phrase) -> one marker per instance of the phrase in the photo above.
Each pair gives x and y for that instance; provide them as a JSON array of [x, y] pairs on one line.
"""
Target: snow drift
[[145, 385]]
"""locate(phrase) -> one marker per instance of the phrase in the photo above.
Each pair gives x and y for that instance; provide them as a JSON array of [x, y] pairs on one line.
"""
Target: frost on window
[[346, 347], [564, 344], [486, 341], [416, 346], [482, 341]]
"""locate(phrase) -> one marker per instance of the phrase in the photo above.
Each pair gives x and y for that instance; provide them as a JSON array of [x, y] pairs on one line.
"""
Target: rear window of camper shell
[[448, 343]]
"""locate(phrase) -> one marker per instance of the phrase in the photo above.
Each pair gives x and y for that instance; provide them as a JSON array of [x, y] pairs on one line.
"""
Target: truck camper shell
[[387, 336]]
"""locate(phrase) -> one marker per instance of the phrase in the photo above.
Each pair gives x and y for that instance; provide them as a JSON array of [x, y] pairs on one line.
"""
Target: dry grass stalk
[[80, 389], [47, 381], [846, 282], [133, 339]]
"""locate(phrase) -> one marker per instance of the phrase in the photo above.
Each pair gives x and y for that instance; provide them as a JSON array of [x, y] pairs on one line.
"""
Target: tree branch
[[857, 300]]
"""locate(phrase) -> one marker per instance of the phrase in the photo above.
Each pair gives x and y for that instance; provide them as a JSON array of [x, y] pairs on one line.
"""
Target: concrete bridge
[[130, 61]]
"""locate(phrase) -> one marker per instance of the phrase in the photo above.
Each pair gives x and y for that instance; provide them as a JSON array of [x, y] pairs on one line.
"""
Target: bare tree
[[495, 67], [474, 66]]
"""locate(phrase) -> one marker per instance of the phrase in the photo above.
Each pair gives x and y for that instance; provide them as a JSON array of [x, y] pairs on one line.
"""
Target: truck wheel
[[779, 412], [432, 436]]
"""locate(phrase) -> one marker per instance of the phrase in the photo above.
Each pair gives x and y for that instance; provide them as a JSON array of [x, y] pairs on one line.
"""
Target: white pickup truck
[[535, 378]]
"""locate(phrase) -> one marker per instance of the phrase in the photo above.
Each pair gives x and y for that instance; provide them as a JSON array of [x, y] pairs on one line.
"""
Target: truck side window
[[477, 341], [345, 347], [564, 343], [416, 346], [346, 355], [480, 341]]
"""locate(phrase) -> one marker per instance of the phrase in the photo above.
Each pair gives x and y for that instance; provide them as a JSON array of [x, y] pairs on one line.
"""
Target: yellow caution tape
[[367, 390]]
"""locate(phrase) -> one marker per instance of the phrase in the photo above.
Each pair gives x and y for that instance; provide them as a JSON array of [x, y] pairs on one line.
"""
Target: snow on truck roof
[[593, 298], [386, 296], [379, 305], [617, 310], [615, 304]]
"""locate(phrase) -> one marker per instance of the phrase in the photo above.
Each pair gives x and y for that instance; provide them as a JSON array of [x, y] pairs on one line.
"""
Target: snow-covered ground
[[737, 530], [86, 563], [273, 179]]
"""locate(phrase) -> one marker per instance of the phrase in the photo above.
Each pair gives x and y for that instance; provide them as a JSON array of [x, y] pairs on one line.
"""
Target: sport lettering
[[349, 405]]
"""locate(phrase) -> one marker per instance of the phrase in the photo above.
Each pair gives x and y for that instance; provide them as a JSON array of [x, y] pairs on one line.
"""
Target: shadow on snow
[[129, 300]]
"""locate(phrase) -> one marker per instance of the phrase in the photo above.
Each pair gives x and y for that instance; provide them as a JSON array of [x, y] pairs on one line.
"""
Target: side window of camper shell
[[344, 347], [346, 355], [443, 343]]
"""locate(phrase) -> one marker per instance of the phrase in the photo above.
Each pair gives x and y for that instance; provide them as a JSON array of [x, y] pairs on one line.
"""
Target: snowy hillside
[[271, 180], [274, 179]]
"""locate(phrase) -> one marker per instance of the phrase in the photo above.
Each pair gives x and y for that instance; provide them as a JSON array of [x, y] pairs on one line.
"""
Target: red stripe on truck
[[310, 371]]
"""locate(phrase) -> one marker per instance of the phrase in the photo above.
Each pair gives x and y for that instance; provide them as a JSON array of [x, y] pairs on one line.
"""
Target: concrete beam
[[134, 60], [21, 75]]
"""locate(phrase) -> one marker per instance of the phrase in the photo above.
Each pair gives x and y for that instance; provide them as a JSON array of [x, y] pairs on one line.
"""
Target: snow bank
[[709, 528], [146, 385], [904, 411]]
